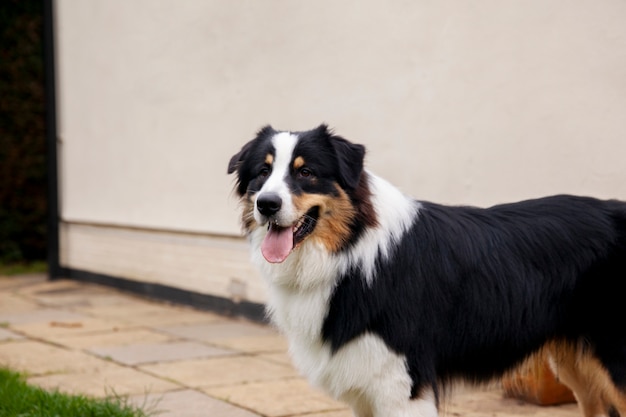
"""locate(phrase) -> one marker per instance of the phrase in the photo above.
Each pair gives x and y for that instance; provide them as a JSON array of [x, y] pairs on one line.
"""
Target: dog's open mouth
[[280, 241]]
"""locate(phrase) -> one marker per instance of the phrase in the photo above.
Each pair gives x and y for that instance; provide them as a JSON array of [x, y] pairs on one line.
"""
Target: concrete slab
[[14, 303], [121, 337], [283, 397], [55, 328], [110, 380], [67, 286], [220, 330], [143, 312], [281, 358], [6, 335], [37, 358], [482, 403], [78, 301], [220, 371], [143, 353], [342, 413], [254, 344], [126, 308], [51, 287], [14, 283], [78, 297], [259, 379], [44, 315], [188, 403], [178, 318]]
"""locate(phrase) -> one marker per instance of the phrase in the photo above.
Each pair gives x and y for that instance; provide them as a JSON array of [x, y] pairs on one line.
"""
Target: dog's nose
[[269, 204]]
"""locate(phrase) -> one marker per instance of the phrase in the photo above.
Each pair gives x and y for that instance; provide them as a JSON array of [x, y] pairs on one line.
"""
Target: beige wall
[[461, 102]]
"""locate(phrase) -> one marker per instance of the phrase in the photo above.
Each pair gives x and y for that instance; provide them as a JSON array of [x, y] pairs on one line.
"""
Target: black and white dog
[[386, 300]]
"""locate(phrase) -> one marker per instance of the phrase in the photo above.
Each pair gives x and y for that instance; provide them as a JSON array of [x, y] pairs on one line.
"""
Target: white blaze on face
[[278, 242], [284, 144]]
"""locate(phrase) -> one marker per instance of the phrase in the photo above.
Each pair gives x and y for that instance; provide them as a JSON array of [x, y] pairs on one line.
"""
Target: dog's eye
[[264, 172], [305, 173]]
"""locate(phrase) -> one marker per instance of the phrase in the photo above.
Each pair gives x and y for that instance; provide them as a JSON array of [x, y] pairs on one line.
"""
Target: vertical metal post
[[54, 266]]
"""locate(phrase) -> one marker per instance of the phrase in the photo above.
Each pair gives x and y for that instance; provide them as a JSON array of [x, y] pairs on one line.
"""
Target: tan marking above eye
[[269, 159], [298, 162]]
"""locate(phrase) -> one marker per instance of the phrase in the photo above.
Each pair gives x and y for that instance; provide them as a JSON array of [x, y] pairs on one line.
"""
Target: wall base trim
[[220, 305]]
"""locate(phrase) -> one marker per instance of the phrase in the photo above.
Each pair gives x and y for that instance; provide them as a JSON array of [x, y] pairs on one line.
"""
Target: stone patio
[[174, 360]]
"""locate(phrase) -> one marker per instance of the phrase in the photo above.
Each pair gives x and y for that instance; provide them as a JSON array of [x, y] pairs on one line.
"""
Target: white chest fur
[[361, 370], [364, 372]]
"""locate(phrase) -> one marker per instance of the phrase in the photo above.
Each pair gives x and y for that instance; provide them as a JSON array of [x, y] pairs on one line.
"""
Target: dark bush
[[22, 132]]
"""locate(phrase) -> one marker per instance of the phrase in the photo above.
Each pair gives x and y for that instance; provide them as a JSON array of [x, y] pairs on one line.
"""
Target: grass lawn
[[18, 399], [22, 268]]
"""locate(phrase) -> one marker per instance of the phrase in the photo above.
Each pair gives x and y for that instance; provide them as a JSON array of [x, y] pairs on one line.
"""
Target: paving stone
[[150, 314], [254, 344], [342, 413], [9, 335], [13, 303], [127, 308], [45, 315], [177, 318], [281, 358], [220, 371], [69, 285], [110, 380], [56, 286], [71, 299], [187, 403], [84, 298], [38, 358], [79, 301], [54, 328], [277, 398], [222, 330], [121, 337], [261, 379], [15, 283], [480, 403], [158, 352]]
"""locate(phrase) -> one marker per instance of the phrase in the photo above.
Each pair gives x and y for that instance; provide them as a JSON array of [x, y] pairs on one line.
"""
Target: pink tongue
[[277, 244]]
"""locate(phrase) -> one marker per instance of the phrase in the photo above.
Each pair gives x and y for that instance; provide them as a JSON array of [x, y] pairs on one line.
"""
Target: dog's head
[[300, 186]]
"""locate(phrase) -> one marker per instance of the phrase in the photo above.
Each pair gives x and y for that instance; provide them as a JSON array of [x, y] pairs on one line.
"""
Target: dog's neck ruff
[[300, 289], [395, 213], [312, 265]]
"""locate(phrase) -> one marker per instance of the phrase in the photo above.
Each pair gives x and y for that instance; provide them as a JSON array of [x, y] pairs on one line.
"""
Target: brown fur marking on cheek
[[247, 214], [298, 162], [336, 216]]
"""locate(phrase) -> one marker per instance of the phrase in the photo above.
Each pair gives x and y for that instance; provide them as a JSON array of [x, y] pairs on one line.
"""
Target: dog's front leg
[[362, 410], [388, 406]]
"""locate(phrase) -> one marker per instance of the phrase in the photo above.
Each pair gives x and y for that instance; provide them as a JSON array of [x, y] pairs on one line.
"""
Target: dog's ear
[[235, 165], [350, 157], [239, 157], [237, 162]]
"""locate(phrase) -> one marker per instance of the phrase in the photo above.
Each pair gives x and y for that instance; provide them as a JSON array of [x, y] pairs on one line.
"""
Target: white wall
[[461, 102]]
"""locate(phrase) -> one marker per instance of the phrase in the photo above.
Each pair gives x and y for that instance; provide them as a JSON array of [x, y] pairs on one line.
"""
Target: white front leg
[[423, 406]]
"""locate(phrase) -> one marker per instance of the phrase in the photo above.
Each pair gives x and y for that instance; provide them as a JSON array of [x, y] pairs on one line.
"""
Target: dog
[[387, 301]]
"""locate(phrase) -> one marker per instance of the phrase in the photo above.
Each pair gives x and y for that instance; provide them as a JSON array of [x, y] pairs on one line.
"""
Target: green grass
[[9, 269], [18, 399]]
